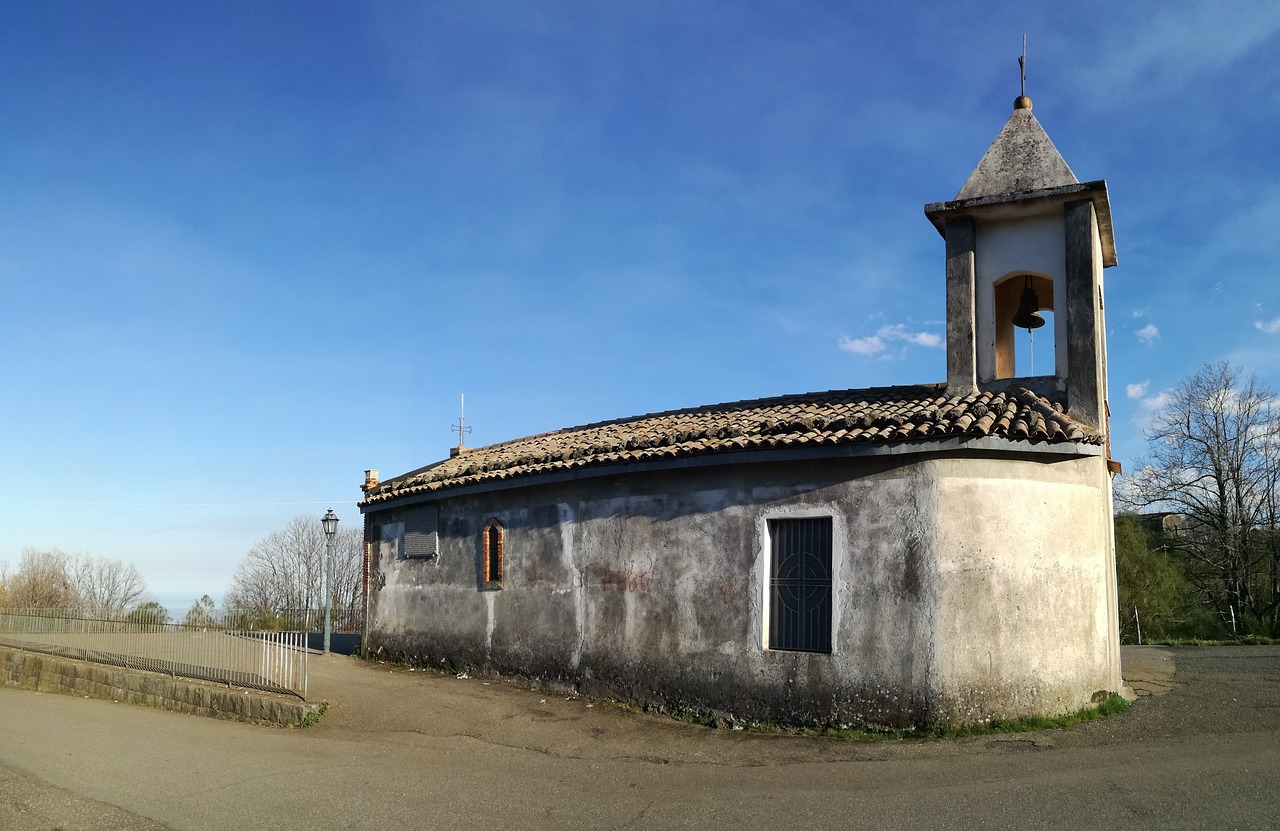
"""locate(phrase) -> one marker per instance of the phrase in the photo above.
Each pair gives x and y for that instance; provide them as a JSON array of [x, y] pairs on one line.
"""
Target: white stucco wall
[[1024, 621], [965, 588]]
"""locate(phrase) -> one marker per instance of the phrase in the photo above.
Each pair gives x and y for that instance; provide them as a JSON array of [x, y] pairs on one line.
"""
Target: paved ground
[[1201, 749]]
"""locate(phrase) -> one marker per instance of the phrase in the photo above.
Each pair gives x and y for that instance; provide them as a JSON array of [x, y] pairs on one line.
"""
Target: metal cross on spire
[[1022, 102], [1022, 65], [461, 427]]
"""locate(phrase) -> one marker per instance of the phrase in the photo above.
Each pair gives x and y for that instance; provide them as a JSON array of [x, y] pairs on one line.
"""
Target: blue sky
[[248, 250]]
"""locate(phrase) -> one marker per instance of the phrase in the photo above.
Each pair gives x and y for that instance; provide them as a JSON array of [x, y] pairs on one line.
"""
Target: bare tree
[[285, 570], [76, 583], [348, 561], [106, 588], [1213, 459], [43, 581]]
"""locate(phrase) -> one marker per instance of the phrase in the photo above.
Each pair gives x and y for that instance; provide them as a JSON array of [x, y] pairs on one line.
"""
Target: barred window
[[800, 584], [421, 533]]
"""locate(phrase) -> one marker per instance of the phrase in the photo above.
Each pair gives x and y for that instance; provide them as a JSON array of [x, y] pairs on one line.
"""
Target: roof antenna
[[1023, 102], [461, 427]]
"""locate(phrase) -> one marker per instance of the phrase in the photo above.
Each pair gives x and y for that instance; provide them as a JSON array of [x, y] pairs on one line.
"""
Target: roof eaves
[[547, 475], [1005, 204]]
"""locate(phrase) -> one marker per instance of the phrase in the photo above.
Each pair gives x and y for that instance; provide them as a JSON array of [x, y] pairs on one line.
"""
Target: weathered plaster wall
[[652, 588], [1024, 620]]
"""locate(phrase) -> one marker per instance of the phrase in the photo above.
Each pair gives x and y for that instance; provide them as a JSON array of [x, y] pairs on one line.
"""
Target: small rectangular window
[[422, 533], [800, 584]]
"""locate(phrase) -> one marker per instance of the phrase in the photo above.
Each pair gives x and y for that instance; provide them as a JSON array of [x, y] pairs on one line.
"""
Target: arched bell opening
[[1021, 302]]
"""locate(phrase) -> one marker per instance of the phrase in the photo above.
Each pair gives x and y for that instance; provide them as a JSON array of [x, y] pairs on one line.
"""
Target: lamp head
[[330, 523]]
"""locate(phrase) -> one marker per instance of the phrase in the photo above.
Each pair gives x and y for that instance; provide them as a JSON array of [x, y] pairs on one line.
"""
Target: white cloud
[[1171, 47], [1268, 326], [1157, 402], [928, 339], [1148, 333], [1139, 312], [885, 335], [1149, 406], [862, 346]]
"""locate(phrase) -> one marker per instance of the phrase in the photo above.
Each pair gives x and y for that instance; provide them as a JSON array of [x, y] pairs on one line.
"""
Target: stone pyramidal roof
[[1021, 159]]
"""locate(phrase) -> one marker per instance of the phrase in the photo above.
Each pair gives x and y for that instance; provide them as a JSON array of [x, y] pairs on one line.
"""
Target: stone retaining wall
[[48, 673]]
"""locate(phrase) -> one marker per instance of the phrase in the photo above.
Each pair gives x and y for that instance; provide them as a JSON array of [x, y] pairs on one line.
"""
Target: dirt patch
[[1148, 670]]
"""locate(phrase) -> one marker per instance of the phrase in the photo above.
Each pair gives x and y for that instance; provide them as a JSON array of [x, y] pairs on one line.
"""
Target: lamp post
[[330, 523]]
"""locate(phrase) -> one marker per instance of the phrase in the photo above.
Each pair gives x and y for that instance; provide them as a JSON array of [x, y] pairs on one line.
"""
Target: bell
[[1028, 315]]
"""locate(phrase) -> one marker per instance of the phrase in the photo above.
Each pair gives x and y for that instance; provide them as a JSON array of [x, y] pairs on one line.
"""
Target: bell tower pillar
[[1086, 329], [962, 359]]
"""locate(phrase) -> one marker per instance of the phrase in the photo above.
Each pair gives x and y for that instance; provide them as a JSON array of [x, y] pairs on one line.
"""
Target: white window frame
[[764, 554]]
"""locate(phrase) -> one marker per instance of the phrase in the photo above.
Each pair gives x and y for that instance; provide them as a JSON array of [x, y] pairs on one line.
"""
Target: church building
[[887, 558]]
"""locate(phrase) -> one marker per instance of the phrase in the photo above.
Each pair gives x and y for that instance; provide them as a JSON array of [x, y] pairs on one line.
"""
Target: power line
[[170, 504]]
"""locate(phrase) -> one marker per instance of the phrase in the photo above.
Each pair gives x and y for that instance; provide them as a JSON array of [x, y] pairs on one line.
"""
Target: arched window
[[1014, 344], [492, 542]]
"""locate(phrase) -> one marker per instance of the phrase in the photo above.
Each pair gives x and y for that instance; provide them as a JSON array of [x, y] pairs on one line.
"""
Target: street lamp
[[330, 523]]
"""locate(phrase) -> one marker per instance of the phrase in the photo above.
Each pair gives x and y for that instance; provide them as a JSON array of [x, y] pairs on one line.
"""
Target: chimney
[[370, 480]]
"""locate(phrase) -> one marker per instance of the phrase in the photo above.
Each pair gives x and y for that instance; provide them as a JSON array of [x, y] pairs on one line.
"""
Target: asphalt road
[[418, 750]]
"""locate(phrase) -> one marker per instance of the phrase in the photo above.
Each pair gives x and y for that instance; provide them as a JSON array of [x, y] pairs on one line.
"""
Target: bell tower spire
[[1025, 236]]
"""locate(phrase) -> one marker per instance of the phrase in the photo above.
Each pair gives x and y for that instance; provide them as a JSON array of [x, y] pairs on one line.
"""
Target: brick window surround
[[492, 545]]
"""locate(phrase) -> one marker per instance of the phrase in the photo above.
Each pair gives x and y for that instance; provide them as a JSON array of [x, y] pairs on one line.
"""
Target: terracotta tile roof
[[885, 415]]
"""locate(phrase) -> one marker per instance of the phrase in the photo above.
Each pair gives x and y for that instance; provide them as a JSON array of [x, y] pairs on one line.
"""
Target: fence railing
[[221, 649], [345, 621]]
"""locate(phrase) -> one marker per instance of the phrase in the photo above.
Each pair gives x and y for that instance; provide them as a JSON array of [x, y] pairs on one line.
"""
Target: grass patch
[[1247, 640], [1113, 705], [312, 718]]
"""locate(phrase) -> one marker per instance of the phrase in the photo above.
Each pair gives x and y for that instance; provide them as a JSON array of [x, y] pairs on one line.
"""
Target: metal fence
[[345, 621], [222, 649]]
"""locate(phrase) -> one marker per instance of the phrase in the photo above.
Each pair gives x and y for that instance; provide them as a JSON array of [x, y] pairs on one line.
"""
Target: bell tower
[[1024, 236]]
